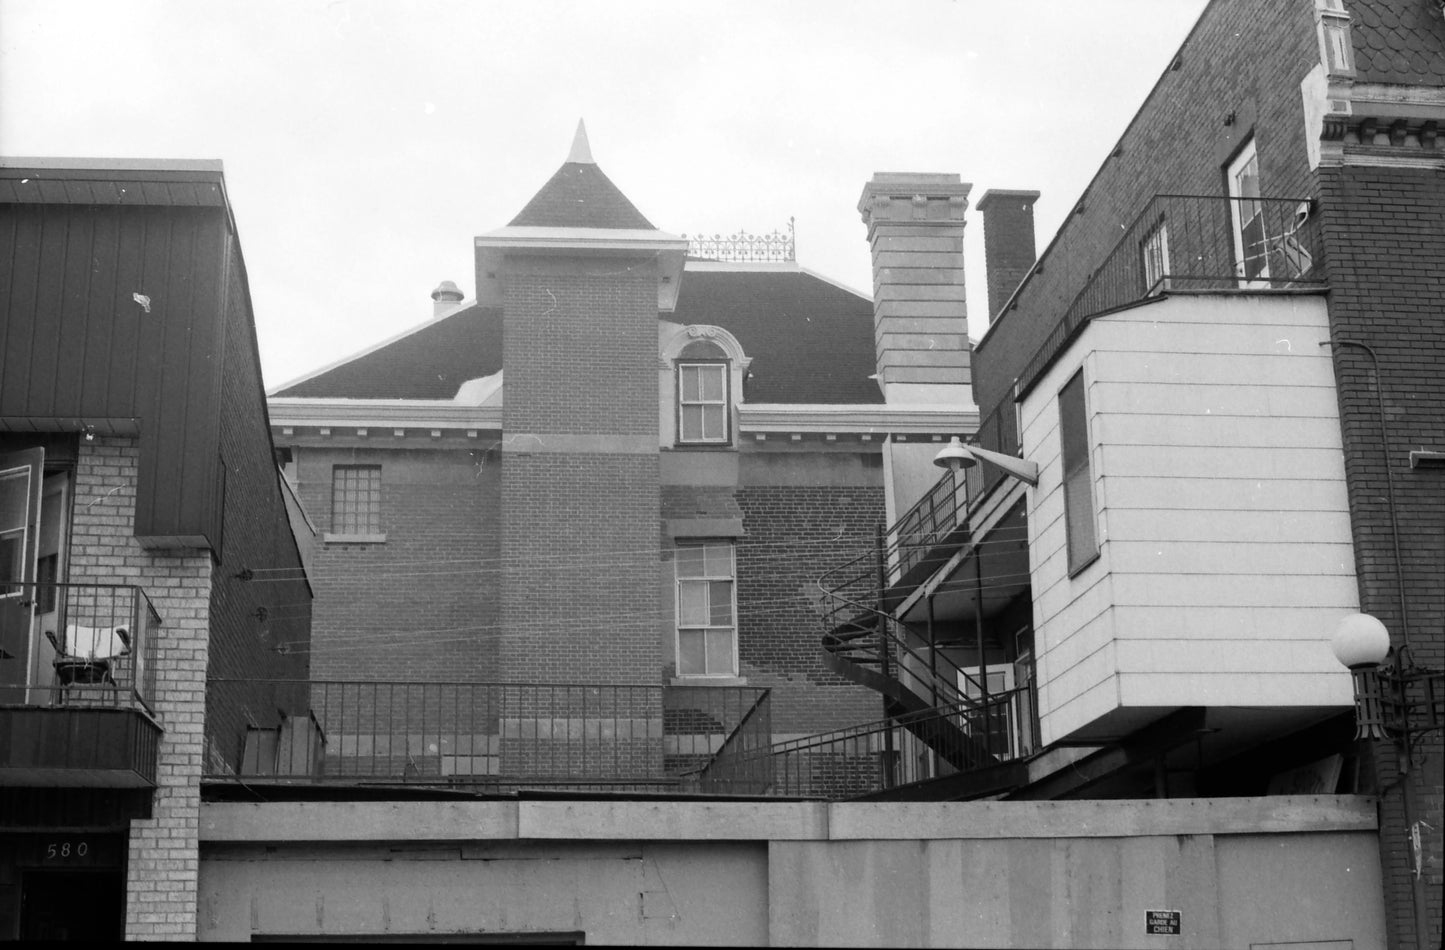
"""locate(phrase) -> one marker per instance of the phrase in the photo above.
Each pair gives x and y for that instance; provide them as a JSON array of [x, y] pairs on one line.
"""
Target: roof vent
[[445, 297]]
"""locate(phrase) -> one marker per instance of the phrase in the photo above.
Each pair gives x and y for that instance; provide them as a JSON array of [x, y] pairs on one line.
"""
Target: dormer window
[[702, 402], [701, 379]]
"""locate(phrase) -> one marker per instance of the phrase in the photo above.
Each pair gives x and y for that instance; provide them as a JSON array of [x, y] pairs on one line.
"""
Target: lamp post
[[1395, 701]]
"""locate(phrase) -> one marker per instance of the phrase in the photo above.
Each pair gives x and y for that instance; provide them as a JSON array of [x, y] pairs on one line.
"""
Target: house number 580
[[66, 849]]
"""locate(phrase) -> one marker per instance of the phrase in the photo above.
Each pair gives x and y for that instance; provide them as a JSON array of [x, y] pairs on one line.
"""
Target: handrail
[[848, 611], [101, 638]]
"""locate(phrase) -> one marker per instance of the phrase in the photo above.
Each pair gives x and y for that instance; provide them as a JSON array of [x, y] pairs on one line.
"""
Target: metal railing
[[932, 518], [773, 246], [737, 768], [860, 760], [1195, 243], [86, 645], [481, 735]]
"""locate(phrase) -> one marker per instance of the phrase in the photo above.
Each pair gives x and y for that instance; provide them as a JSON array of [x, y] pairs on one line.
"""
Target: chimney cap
[[447, 290], [1026, 198]]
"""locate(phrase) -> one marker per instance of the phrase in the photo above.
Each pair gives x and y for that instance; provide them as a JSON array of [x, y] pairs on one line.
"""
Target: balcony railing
[[483, 736], [85, 645], [860, 760], [1195, 243]]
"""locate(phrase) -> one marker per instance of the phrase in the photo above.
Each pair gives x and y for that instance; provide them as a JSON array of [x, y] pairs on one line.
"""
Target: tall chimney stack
[[920, 321], [1008, 242], [445, 297]]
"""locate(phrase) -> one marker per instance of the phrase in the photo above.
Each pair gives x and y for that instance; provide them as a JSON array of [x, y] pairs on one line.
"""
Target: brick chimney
[[1008, 242], [920, 321], [445, 297]]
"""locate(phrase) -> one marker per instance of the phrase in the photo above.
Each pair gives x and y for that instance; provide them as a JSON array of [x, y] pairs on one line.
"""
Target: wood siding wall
[[1225, 552]]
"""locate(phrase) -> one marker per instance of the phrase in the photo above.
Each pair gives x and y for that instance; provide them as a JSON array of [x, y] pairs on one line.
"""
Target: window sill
[[708, 681], [1085, 565], [330, 538], [693, 446]]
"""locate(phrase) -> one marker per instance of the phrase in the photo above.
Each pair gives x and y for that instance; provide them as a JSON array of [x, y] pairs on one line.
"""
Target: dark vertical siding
[[76, 345]]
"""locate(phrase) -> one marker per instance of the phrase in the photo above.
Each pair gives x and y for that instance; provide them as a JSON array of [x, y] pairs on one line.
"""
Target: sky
[[367, 143]]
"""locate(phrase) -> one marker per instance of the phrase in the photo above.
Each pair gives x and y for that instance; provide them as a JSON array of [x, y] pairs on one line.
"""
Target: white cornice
[[625, 239], [870, 418], [298, 411]]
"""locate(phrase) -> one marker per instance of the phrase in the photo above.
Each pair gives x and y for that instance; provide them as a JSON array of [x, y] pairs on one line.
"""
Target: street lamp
[[1395, 700], [955, 455]]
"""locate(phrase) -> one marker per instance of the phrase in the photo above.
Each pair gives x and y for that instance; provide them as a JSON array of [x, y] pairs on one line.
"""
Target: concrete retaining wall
[[1240, 872]]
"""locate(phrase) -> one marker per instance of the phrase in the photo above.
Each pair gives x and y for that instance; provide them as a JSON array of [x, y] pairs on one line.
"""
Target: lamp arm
[[1022, 469]]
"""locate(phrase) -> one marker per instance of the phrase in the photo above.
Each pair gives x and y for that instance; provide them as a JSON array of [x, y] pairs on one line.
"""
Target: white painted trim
[[841, 418], [113, 164], [631, 239], [381, 413], [456, 309]]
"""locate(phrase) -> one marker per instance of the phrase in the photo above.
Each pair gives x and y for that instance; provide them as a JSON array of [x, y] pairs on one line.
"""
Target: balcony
[[75, 702], [491, 738], [1194, 244]]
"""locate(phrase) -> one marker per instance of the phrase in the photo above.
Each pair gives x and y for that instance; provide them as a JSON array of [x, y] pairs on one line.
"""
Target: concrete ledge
[[1101, 819], [675, 821], [357, 821], [779, 821]]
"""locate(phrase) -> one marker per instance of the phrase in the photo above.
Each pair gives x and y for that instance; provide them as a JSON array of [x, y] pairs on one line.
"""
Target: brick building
[[1215, 414], [626, 463], [137, 478]]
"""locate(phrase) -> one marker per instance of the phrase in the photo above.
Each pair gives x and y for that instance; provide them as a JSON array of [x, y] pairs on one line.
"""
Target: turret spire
[[581, 153]]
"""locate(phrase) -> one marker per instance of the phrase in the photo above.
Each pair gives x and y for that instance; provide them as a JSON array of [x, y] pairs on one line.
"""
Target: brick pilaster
[[163, 860]]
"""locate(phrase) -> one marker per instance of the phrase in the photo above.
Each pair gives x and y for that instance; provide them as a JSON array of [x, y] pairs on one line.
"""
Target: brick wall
[[1385, 245], [1238, 73], [163, 859], [259, 629], [795, 533], [422, 605], [580, 483], [580, 565]]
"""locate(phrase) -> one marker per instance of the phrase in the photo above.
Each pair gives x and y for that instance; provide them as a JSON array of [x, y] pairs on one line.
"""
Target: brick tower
[[580, 276]]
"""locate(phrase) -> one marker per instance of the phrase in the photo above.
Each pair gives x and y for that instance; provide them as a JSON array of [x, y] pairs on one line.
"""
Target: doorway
[[72, 905]]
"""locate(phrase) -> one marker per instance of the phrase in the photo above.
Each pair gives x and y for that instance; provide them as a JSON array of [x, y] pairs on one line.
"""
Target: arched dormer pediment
[[700, 336]]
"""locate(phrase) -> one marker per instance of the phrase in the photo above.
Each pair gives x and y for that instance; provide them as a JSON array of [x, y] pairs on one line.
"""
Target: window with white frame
[[1078, 476], [356, 499], [702, 403], [1155, 250], [1251, 238], [707, 642]]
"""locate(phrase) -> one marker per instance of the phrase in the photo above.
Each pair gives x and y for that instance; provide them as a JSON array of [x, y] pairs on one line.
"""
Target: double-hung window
[[1078, 476], [706, 609], [356, 499], [702, 403]]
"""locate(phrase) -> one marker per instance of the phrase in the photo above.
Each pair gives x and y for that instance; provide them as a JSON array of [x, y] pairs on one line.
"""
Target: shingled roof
[[811, 342], [1398, 42], [579, 195]]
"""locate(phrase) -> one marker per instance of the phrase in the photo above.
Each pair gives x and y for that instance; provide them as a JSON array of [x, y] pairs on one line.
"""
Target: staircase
[[866, 645]]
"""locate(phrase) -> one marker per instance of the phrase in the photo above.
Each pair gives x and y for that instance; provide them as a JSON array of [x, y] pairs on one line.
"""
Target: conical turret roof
[[579, 195]]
